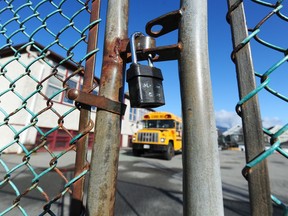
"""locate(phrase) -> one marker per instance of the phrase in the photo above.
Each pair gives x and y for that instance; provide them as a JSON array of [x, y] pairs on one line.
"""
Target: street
[[147, 185]]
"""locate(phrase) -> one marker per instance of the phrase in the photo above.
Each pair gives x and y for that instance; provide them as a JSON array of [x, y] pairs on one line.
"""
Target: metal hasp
[[202, 190], [144, 42], [167, 23], [258, 178], [96, 101], [161, 53], [144, 81], [105, 151]]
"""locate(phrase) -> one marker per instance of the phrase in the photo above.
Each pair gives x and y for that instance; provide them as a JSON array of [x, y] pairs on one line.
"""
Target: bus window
[[166, 124], [159, 124]]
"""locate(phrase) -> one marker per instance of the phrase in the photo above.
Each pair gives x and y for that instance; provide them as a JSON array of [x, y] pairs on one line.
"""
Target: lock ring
[[132, 46]]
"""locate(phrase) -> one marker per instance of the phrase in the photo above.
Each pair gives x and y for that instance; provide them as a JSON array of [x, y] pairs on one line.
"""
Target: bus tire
[[170, 151]]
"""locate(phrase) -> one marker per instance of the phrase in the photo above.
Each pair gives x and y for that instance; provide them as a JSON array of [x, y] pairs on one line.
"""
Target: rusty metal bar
[[258, 178], [160, 53], [202, 191], [169, 22], [76, 206], [100, 102], [105, 152]]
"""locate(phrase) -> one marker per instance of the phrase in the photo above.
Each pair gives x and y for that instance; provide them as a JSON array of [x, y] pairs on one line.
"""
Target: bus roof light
[[146, 117]]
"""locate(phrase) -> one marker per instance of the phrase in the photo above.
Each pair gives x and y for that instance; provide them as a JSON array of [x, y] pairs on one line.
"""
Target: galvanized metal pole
[[76, 206], [105, 152], [258, 178], [202, 192]]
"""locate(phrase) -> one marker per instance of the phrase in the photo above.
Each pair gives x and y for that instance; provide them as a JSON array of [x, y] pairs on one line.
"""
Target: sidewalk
[[43, 159]]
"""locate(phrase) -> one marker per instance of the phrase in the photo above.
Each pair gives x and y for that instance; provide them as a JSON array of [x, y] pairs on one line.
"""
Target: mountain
[[221, 129]]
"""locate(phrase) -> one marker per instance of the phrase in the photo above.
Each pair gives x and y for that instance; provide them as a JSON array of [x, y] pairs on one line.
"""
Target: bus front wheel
[[169, 152]]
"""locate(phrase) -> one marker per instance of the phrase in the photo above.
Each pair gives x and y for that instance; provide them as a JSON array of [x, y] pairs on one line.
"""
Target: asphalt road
[[147, 185]]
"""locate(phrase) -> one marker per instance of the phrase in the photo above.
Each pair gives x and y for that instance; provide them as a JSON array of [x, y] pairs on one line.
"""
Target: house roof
[[35, 46], [234, 130]]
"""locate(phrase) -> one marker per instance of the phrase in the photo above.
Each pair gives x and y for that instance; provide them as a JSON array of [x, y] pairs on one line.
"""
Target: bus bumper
[[149, 147]]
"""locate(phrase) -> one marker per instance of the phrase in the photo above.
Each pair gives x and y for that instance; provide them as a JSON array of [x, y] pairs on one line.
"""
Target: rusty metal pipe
[[258, 180], [76, 206], [105, 152]]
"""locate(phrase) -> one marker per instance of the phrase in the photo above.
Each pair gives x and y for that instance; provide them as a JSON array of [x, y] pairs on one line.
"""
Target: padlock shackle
[[132, 46]]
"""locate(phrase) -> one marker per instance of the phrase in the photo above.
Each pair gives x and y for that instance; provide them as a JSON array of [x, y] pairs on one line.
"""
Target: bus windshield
[[159, 124]]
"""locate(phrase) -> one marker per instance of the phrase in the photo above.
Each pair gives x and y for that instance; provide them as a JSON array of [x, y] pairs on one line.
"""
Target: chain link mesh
[[274, 13], [43, 47], [42, 51]]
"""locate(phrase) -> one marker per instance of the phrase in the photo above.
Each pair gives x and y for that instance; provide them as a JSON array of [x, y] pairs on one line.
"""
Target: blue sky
[[223, 75], [222, 69], [223, 72]]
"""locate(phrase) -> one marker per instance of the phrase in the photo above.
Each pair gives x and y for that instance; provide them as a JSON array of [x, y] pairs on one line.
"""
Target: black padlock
[[144, 81]]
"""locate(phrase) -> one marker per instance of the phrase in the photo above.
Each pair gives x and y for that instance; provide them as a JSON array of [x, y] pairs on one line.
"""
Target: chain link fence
[[269, 53], [43, 51]]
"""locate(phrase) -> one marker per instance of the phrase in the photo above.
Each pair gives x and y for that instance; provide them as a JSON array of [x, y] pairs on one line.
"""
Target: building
[[234, 137], [33, 101], [131, 122]]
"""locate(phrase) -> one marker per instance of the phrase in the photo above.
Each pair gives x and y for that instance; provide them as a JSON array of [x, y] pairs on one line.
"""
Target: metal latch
[[97, 101]]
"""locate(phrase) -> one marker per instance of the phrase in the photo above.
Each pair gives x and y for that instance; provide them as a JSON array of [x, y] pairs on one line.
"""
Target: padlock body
[[145, 86]]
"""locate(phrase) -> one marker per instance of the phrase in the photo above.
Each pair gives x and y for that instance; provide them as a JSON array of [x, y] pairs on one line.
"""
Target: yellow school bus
[[162, 132]]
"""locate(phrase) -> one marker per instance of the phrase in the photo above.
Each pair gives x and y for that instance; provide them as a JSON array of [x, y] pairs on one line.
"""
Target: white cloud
[[269, 122], [227, 119]]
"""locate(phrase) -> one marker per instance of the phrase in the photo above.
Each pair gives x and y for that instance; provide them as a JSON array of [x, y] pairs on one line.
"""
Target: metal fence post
[[105, 152], [201, 168], [76, 206], [258, 179]]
